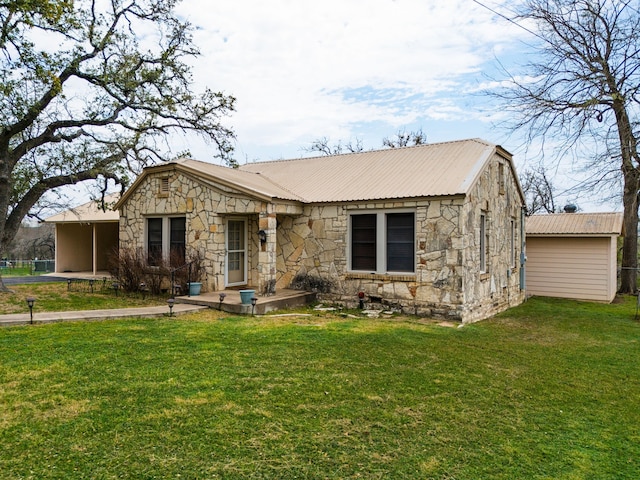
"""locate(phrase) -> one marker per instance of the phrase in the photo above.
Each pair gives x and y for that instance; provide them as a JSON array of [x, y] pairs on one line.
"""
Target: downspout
[[523, 254]]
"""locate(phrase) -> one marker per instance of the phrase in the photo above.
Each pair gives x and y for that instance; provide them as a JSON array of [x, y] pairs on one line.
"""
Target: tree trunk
[[629, 272]]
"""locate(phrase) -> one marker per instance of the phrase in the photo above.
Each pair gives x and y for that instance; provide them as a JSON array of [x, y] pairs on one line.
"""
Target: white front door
[[236, 257]]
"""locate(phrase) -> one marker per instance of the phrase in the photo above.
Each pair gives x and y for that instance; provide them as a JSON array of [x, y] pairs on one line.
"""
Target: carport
[[85, 236]]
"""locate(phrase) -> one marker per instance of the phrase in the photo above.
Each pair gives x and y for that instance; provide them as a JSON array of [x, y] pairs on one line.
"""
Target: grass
[[16, 271], [548, 390], [56, 297]]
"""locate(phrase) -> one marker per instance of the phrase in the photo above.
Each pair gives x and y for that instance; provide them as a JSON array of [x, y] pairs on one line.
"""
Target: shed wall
[[582, 268]]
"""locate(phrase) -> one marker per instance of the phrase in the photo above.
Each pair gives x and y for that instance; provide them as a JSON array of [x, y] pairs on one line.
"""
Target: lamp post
[[254, 300], [30, 302], [171, 301], [222, 297]]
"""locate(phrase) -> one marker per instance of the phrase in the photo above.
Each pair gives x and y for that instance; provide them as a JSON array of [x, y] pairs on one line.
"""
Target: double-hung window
[[166, 240], [382, 242], [484, 243]]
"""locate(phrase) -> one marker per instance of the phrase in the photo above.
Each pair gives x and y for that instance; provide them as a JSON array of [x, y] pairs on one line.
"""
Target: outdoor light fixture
[[143, 289], [254, 300], [91, 284], [68, 284], [222, 296], [30, 302], [115, 286], [262, 235], [171, 301]]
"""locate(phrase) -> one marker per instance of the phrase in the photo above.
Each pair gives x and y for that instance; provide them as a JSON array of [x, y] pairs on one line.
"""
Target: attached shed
[[573, 255], [86, 236]]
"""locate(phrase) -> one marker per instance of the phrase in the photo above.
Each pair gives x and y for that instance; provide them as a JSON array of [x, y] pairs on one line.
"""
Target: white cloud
[[302, 70]]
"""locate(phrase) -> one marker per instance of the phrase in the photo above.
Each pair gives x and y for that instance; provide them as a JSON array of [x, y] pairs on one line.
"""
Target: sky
[[359, 70], [347, 69], [350, 70]]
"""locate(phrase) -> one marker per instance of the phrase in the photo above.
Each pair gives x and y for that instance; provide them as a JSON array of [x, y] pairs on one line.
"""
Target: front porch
[[283, 298]]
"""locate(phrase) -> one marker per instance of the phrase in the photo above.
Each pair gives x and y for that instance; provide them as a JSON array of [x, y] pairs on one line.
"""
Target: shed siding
[[581, 268]]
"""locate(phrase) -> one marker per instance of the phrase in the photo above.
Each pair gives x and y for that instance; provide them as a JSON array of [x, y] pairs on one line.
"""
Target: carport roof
[[90, 212], [574, 224]]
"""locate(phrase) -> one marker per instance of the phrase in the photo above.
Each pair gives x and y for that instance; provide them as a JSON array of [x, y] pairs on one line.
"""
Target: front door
[[236, 261]]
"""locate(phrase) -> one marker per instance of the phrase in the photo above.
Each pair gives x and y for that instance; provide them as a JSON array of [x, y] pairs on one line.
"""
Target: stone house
[[433, 229]]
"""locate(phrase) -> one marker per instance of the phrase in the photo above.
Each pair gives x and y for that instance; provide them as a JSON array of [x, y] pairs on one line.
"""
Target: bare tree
[[403, 138], [90, 90], [582, 90], [538, 191], [323, 147]]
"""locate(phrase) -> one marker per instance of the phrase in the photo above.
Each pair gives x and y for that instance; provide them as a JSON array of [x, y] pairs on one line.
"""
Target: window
[[513, 243], [154, 241], [363, 242], [484, 243], [400, 255], [166, 240], [177, 240], [383, 242], [501, 178]]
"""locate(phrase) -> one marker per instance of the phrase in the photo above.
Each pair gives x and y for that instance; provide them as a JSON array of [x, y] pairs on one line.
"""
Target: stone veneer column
[[267, 254]]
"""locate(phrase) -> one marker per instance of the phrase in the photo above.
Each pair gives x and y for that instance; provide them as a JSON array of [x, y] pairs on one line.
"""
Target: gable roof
[[89, 212], [436, 169], [574, 224]]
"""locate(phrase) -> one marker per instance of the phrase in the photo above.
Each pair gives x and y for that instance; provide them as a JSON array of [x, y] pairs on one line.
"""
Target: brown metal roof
[[437, 169], [561, 224], [89, 212], [257, 184]]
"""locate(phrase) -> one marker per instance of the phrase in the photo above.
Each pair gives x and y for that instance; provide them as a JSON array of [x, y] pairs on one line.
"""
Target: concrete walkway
[[138, 312]]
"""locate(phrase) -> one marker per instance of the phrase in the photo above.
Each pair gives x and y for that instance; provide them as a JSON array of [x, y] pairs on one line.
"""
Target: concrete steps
[[281, 300]]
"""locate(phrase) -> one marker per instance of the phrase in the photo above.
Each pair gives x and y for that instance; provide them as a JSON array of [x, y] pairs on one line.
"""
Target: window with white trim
[[513, 243], [484, 242], [382, 242], [166, 240]]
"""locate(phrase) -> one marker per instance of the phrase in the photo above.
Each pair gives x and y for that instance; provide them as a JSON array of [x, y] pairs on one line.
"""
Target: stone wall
[[306, 245], [311, 252], [206, 208]]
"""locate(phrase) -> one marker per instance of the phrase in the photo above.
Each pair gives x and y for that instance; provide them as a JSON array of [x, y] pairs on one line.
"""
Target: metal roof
[[90, 212], [437, 169], [431, 170], [237, 177], [565, 224]]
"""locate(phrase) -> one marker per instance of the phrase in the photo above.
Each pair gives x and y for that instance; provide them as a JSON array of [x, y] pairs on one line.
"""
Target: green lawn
[[549, 390], [16, 271], [57, 297]]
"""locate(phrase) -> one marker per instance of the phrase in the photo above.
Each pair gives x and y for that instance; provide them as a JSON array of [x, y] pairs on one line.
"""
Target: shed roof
[[568, 224], [89, 212]]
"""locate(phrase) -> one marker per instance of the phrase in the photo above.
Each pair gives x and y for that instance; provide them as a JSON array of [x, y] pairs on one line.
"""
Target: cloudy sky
[[351, 69]]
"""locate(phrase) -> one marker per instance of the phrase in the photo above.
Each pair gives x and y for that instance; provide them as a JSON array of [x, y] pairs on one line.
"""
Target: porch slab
[[282, 299]]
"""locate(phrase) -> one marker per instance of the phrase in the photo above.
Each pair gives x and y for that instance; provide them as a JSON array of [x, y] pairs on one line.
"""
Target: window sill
[[398, 277], [485, 276]]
